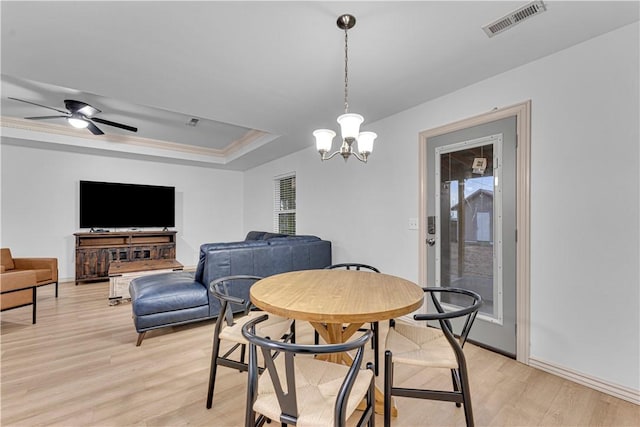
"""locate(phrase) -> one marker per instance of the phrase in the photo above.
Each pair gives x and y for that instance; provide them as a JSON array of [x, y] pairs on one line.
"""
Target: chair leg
[[292, 337], [371, 400], [455, 379], [243, 349], [56, 289], [466, 395], [376, 350], [35, 303], [140, 338], [252, 387], [316, 337], [213, 370], [388, 384], [374, 328]]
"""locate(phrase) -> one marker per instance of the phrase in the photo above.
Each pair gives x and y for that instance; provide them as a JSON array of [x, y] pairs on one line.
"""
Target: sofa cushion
[[43, 274], [255, 235], [287, 240], [6, 259], [201, 275], [268, 235], [166, 292], [13, 280], [16, 299], [170, 318], [232, 245]]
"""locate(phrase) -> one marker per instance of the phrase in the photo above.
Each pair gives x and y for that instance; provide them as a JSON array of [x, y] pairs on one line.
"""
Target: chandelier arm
[[332, 155], [363, 159]]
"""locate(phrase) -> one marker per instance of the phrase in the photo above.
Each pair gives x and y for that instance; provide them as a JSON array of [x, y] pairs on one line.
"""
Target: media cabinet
[[96, 251]]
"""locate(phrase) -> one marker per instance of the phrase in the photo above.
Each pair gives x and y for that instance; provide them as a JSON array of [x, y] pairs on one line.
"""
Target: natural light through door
[[468, 243]]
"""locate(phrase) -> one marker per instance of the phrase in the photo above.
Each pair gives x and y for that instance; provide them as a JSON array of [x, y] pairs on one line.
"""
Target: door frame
[[522, 112]]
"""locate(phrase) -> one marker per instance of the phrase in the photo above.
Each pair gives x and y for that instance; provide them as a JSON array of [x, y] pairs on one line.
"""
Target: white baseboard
[[615, 390]]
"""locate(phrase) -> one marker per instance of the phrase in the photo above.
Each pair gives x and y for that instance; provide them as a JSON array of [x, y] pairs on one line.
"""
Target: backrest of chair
[[468, 312], [288, 400], [6, 259], [352, 266], [223, 289]]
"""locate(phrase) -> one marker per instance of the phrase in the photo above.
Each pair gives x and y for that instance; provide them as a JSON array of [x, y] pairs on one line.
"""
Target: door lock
[[431, 224], [431, 241]]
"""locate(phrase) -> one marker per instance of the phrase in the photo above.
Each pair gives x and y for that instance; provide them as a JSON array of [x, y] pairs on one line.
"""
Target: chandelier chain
[[346, 71]]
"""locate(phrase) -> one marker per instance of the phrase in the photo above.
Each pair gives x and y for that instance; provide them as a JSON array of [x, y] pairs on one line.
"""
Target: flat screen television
[[116, 205]]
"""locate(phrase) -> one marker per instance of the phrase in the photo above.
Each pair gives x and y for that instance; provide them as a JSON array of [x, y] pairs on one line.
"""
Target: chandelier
[[349, 122]]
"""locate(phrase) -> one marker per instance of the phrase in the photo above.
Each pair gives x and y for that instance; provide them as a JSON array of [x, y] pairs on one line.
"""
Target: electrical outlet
[[413, 223]]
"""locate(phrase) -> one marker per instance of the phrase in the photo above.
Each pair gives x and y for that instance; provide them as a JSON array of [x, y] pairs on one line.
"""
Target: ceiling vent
[[513, 18]]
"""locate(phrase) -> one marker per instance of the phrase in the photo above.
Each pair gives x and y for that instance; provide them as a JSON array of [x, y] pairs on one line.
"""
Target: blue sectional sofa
[[176, 298]]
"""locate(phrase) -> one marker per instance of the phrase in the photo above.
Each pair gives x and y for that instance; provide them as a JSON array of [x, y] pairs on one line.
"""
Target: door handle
[[431, 241]]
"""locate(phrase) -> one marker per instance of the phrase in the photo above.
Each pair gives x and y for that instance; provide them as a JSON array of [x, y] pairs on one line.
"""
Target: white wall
[[40, 192], [584, 203]]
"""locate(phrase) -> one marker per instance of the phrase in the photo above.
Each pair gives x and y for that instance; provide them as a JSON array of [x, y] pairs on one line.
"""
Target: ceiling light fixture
[[77, 121], [349, 122]]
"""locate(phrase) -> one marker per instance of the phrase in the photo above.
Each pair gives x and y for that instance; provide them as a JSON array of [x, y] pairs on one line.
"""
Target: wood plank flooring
[[79, 366]]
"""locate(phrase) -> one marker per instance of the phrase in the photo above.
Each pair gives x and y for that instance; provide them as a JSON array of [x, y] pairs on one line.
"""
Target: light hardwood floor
[[79, 366]]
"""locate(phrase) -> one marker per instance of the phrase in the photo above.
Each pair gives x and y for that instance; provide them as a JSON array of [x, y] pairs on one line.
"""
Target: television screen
[[114, 205]]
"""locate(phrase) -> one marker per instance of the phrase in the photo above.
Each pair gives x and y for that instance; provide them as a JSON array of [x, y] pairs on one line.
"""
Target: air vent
[[513, 18]]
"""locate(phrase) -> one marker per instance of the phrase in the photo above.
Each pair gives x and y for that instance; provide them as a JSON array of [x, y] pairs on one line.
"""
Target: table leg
[[336, 333]]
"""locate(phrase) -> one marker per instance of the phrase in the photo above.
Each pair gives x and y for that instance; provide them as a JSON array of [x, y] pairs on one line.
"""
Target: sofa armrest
[[38, 263], [15, 280]]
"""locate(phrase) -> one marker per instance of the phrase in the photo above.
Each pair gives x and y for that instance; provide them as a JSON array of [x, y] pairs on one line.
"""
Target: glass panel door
[[468, 200]]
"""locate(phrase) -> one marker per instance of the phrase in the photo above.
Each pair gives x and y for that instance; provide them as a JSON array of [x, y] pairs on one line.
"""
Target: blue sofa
[[177, 298]]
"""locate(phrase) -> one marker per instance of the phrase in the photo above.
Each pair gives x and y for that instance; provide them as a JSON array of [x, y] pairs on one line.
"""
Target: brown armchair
[[45, 269], [18, 289]]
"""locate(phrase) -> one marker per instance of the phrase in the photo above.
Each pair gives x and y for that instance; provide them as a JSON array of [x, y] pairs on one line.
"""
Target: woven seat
[[318, 393], [229, 329], [274, 327], [429, 347], [318, 384]]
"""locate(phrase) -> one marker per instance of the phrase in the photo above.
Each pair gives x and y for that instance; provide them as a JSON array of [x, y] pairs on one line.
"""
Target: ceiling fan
[[80, 115]]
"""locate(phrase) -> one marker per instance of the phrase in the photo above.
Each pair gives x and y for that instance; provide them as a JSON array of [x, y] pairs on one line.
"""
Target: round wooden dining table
[[337, 302]]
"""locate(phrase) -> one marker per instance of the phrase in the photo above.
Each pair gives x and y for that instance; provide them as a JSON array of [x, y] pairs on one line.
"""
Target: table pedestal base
[[335, 333]]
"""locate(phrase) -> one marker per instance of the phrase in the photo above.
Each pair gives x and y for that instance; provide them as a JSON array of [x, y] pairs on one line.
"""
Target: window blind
[[284, 204]]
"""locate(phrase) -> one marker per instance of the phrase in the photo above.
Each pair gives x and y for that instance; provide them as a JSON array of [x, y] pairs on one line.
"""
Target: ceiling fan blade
[[114, 124], [40, 105], [80, 107], [46, 117], [94, 129]]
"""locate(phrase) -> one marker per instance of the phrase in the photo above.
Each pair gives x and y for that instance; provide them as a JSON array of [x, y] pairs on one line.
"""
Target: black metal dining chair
[[374, 325], [430, 347], [229, 328], [299, 389]]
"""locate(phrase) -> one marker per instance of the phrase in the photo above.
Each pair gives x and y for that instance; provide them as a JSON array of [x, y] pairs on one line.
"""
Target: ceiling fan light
[[350, 125], [324, 139], [365, 142], [77, 122]]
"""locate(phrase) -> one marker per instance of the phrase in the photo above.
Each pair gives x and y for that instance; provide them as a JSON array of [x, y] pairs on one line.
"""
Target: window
[[284, 204]]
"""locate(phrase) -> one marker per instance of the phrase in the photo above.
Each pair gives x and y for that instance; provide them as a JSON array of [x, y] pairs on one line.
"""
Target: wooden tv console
[[95, 251]]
